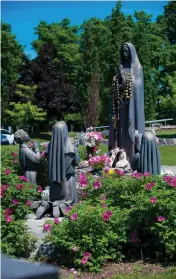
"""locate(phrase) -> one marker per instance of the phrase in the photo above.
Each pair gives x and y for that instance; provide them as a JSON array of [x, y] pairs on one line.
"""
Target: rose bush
[[119, 217], [16, 197]]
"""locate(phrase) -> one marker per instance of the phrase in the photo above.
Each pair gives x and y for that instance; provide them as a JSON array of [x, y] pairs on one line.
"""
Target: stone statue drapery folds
[[131, 114], [62, 157], [28, 159]]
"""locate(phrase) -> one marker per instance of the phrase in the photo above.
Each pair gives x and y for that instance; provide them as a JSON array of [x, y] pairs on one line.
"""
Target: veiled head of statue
[[128, 53], [61, 127], [125, 52]]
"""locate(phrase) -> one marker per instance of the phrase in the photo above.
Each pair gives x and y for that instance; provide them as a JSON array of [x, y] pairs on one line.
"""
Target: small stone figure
[[62, 158], [148, 159], [28, 159], [119, 160], [127, 103]]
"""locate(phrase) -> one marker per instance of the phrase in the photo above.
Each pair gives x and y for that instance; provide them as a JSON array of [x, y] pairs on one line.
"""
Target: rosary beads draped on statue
[[127, 109]]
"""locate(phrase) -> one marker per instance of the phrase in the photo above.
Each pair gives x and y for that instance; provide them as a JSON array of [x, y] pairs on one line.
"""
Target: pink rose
[[47, 227], [161, 218], [56, 221], [19, 186], [84, 260], [153, 200], [15, 202], [97, 184], [28, 203], [74, 216]]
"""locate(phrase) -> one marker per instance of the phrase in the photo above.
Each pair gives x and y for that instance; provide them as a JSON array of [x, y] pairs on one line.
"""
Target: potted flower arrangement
[[99, 162], [91, 141]]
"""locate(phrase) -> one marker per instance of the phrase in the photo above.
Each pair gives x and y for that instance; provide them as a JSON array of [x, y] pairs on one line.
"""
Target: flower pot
[[90, 151]]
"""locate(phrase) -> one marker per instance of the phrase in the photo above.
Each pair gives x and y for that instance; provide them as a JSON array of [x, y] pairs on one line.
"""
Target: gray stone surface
[[168, 170]]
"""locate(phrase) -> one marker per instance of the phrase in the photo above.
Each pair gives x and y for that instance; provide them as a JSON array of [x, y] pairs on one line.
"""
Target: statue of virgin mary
[[127, 114]]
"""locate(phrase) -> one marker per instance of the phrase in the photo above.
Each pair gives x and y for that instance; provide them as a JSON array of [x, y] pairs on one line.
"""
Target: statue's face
[[125, 52]]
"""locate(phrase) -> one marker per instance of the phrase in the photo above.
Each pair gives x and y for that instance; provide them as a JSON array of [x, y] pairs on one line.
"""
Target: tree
[[11, 59], [54, 92], [23, 114], [64, 40]]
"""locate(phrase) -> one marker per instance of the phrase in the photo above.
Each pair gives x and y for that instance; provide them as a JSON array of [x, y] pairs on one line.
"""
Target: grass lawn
[[166, 133]]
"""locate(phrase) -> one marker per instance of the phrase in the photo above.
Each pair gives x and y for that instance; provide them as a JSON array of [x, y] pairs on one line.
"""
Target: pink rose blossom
[[7, 172], [146, 174], [119, 172], [137, 175], [106, 170], [87, 255], [75, 249], [134, 237], [161, 218], [68, 209], [24, 178], [153, 200], [19, 186], [56, 221], [97, 184], [8, 211], [149, 186], [8, 218], [14, 154], [107, 215], [15, 162], [84, 260], [47, 227], [15, 202], [28, 203], [4, 187], [109, 212], [74, 216], [82, 180], [103, 197], [39, 189], [173, 182]]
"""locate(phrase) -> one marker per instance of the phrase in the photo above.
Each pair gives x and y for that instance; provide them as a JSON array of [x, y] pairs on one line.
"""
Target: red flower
[[14, 154], [39, 189], [84, 260], [8, 211], [146, 174], [15, 202], [107, 215], [47, 227], [19, 186], [161, 218], [7, 171], [119, 172], [8, 218], [4, 187], [74, 216], [149, 186], [97, 184], [28, 203], [87, 255], [68, 209], [56, 221], [153, 200], [24, 178]]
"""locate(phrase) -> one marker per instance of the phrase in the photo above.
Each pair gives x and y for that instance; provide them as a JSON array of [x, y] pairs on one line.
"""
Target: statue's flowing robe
[[132, 115], [62, 157]]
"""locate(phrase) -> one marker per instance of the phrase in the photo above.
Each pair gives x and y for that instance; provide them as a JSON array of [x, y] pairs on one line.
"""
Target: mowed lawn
[[168, 153]]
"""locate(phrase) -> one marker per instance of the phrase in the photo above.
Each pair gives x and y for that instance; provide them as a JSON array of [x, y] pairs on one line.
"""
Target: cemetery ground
[[136, 267]]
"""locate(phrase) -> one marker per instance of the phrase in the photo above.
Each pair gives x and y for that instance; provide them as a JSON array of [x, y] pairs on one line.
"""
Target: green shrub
[[142, 223], [15, 239], [91, 233]]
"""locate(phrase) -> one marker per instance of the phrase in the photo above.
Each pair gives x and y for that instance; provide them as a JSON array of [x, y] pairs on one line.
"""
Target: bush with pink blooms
[[16, 197], [119, 217]]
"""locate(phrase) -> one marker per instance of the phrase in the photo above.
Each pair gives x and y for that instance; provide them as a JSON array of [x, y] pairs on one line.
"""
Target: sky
[[23, 16]]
